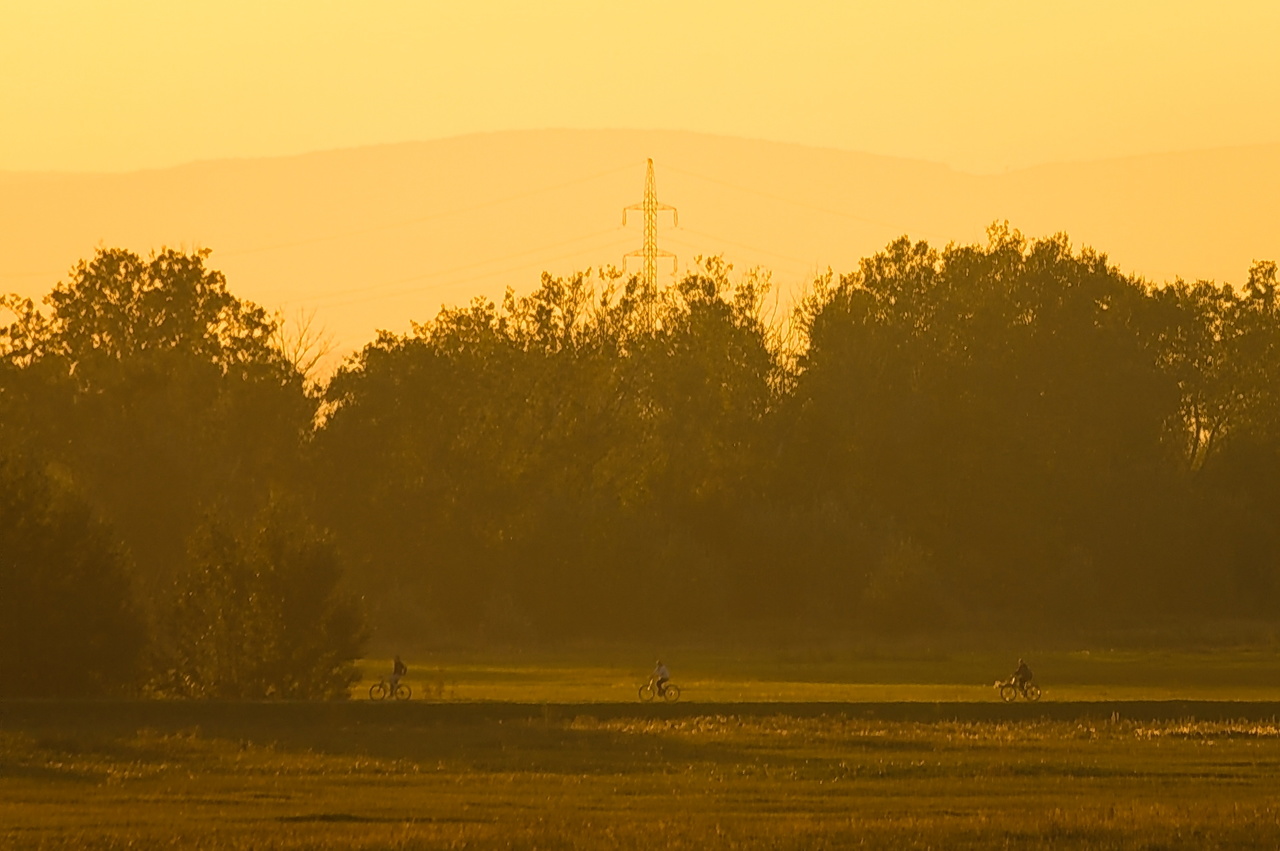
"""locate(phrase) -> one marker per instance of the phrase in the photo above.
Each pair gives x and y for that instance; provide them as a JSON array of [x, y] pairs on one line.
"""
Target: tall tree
[[554, 464], [156, 392], [1000, 407]]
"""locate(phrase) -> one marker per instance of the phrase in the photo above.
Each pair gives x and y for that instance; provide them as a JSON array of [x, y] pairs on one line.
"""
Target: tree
[[553, 464], [156, 393], [260, 613], [118, 308], [67, 624], [1003, 408]]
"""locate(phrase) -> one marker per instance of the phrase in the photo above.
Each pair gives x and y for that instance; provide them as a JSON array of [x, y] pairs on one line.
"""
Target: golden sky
[[981, 85]]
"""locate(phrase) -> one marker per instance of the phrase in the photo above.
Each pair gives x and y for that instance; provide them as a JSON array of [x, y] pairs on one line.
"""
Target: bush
[[260, 614], [67, 625]]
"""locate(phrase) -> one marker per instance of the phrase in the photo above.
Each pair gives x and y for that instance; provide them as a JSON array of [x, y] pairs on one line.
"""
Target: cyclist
[[398, 670], [1022, 675], [660, 677]]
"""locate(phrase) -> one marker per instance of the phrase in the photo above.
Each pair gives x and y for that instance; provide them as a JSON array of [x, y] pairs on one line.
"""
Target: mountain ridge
[[372, 237], [376, 146]]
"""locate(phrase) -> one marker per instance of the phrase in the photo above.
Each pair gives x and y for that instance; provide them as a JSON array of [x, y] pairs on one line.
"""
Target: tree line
[[1009, 436]]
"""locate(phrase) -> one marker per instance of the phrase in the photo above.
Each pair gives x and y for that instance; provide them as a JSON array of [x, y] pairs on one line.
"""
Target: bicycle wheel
[[1008, 692], [1031, 692], [403, 692], [646, 693], [672, 693], [378, 691]]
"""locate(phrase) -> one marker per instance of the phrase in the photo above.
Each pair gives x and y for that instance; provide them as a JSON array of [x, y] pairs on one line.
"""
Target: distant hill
[[374, 237]]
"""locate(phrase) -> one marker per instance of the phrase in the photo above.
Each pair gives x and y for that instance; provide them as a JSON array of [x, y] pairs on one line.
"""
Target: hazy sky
[[981, 85]]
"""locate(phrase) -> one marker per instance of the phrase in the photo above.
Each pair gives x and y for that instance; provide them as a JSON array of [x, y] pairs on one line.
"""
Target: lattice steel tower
[[649, 252]]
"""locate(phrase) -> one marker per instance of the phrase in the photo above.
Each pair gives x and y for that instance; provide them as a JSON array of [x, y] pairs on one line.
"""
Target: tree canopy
[[1015, 435], [159, 399], [157, 393]]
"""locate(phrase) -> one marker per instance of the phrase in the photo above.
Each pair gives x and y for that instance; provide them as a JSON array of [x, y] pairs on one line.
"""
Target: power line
[[741, 245], [430, 216], [520, 267], [383, 227], [649, 207], [472, 279], [462, 268], [771, 196]]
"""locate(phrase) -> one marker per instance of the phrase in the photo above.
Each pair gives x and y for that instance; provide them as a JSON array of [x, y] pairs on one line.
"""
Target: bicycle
[[1009, 690], [670, 692], [382, 690]]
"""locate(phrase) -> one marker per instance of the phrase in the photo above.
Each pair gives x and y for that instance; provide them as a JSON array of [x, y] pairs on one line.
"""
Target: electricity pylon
[[650, 207]]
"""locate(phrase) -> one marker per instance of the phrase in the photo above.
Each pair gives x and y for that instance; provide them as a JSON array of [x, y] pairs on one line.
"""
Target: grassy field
[[468, 770], [711, 678]]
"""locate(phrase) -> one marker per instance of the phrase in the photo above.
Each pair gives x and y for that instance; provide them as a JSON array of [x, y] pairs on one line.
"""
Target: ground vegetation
[[1014, 437], [400, 776]]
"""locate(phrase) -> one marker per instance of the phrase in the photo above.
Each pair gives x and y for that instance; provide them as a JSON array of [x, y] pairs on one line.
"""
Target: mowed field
[[830, 676], [767, 756]]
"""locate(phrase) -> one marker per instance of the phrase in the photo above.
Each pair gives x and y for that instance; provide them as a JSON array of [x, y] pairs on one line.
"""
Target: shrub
[[67, 624], [260, 613]]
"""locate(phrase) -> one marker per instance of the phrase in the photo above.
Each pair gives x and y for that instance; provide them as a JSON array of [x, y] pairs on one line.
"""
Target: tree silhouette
[[67, 624], [156, 393], [259, 612], [1014, 435]]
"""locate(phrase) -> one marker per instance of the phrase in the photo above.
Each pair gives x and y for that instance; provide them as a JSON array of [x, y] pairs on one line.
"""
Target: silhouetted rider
[[1022, 675], [660, 677]]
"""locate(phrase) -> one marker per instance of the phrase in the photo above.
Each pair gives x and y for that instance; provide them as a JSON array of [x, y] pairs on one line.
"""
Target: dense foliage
[[159, 398], [156, 391], [1009, 435], [1014, 435], [260, 613], [68, 627]]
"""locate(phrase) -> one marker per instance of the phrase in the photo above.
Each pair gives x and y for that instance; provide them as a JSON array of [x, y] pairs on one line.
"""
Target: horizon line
[[339, 149]]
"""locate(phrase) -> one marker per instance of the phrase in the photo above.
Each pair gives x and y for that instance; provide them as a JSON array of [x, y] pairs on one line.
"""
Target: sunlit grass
[[397, 780], [705, 678], [556, 752]]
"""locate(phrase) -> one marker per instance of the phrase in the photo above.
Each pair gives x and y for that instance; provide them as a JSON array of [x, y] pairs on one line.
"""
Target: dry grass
[[364, 776], [847, 676]]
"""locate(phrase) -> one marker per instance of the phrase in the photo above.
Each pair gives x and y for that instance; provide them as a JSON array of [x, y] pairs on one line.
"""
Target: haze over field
[[986, 85], [359, 459], [371, 238], [367, 166], [375, 163]]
